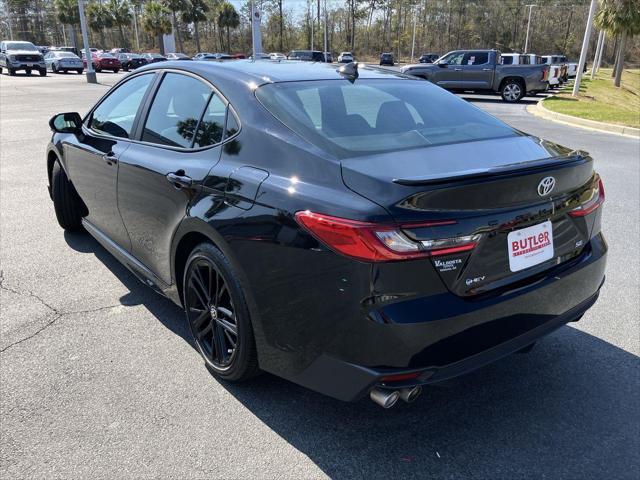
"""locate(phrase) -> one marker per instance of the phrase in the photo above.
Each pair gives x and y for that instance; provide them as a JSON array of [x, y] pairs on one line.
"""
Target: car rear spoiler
[[571, 160]]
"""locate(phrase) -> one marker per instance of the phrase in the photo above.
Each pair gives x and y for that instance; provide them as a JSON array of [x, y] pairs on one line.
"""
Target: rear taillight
[[595, 200], [373, 242]]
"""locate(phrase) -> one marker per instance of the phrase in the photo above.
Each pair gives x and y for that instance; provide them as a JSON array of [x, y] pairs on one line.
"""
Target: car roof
[[268, 71]]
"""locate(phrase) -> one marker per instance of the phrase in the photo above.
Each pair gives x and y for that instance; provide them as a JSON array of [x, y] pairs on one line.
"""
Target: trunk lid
[[488, 188]]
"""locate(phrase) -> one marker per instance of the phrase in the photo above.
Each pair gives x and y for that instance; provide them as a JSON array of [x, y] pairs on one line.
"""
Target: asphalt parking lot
[[98, 376]]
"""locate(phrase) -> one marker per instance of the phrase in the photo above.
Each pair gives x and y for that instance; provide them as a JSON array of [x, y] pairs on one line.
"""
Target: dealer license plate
[[530, 246]]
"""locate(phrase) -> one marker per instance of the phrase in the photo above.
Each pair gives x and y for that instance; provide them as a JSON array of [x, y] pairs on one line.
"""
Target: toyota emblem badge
[[546, 185]]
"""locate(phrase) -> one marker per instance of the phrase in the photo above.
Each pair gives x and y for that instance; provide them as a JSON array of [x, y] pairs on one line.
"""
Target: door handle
[[457, 69], [179, 179], [487, 69], [110, 158]]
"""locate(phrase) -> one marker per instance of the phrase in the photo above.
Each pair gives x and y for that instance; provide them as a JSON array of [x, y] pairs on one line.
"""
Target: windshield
[[21, 46], [66, 55], [375, 116], [105, 55]]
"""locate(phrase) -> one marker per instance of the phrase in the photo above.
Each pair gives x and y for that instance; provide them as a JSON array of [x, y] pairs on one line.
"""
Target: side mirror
[[69, 122], [443, 63]]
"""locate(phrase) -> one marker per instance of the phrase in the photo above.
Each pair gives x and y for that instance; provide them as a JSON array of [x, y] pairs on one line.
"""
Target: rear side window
[[211, 126], [116, 114], [476, 58], [176, 110], [507, 60], [378, 115]]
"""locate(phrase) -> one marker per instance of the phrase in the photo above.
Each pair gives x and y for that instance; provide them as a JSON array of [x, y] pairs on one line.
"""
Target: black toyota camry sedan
[[356, 231]]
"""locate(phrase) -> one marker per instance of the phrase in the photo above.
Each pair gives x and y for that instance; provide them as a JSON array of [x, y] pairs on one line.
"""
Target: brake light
[[373, 242], [596, 199]]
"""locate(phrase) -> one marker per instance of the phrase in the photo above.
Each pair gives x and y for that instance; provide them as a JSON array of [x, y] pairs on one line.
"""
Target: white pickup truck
[[555, 71]]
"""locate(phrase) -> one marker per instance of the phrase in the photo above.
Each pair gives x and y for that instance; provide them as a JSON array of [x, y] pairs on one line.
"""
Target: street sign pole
[[91, 74], [585, 47]]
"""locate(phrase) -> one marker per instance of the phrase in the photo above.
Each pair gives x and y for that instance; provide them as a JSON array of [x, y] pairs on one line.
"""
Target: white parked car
[[345, 57], [277, 56]]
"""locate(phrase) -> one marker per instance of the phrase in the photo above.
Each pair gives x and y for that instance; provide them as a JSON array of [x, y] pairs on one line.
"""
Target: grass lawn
[[600, 100]]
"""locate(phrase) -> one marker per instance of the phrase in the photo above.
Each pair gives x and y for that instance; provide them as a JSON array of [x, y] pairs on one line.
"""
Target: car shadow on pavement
[[568, 409], [171, 316]]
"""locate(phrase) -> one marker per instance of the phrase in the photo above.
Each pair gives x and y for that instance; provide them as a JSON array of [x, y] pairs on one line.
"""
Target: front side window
[[376, 116], [116, 114], [176, 111], [454, 58]]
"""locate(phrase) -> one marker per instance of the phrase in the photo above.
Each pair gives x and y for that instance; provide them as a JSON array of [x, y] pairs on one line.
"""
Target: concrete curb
[[539, 110]]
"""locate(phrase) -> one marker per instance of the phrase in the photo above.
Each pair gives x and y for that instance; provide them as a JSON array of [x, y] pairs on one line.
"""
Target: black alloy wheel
[[218, 316]]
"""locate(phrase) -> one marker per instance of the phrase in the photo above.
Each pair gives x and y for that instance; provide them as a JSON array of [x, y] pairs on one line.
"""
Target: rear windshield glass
[[375, 116]]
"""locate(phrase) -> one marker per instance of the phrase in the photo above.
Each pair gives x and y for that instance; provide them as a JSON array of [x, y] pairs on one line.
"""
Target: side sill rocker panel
[[141, 272]]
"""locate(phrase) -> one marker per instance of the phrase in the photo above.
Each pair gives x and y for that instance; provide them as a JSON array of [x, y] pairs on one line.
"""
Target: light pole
[[526, 41], [91, 74], [585, 48], [599, 45], [413, 39]]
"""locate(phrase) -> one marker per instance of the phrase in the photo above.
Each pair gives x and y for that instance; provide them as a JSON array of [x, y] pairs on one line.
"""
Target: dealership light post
[[585, 48], [526, 41], [413, 36], [597, 56], [91, 74], [256, 35]]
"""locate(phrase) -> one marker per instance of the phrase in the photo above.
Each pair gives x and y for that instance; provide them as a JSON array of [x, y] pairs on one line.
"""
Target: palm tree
[[176, 6], [195, 12], [68, 14], [99, 18], [120, 11], [620, 18], [228, 18], [155, 21]]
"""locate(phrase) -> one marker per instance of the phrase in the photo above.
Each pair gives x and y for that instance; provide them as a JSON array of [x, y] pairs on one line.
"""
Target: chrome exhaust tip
[[409, 395], [384, 398]]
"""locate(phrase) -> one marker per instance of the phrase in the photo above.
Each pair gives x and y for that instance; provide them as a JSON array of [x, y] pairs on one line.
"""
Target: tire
[[28, 71], [80, 71], [512, 91], [54, 69], [116, 70], [43, 72], [126, 69], [12, 72], [215, 307], [66, 200], [0, 70], [65, 71]]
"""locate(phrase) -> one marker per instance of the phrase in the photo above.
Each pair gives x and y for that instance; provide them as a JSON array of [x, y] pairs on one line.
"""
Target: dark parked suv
[[361, 235], [25, 56], [387, 59]]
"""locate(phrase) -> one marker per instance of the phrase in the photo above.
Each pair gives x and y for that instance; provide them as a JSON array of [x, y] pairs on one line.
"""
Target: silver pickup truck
[[482, 71]]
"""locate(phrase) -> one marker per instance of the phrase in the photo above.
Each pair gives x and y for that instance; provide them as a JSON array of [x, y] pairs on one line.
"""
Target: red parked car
[[103, 61]]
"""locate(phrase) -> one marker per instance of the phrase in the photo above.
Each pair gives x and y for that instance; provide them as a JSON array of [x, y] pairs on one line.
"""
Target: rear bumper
[[539, 86], [473, 333]]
